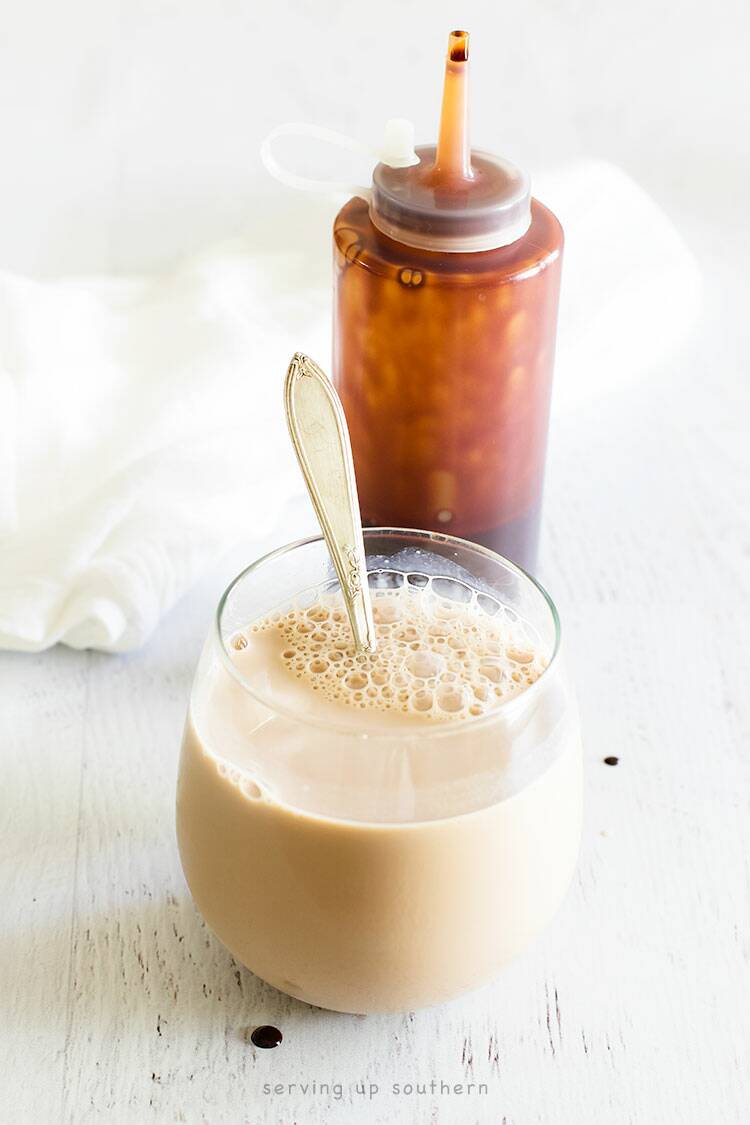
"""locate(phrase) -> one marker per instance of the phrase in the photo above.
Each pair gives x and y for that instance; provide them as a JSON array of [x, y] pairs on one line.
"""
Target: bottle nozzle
[[453, 157]]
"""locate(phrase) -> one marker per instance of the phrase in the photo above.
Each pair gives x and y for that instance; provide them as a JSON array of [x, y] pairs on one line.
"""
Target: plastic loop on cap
[[305, 183], [397, 152]]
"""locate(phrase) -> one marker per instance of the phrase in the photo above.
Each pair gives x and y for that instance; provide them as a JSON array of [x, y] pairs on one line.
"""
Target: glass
[[443, 362], [393, 868]]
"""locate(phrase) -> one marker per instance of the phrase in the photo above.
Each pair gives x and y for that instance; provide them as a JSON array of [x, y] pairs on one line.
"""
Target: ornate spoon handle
[[320, 437]]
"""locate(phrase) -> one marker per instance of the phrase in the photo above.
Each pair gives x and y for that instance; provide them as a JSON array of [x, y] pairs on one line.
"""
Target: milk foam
[[437, 659]]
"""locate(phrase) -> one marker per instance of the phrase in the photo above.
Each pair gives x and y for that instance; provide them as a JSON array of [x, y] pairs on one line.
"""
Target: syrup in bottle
[[446, 284], [445, 311]]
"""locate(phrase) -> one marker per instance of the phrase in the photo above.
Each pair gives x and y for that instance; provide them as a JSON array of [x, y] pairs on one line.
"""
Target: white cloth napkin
[[142, 434], [141, 423]]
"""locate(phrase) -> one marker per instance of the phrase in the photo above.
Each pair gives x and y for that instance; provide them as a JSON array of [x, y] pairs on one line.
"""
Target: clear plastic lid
[[490, 209], [442, 197]]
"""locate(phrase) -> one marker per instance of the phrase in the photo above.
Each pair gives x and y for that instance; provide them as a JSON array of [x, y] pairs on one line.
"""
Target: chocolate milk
[[380, 833]]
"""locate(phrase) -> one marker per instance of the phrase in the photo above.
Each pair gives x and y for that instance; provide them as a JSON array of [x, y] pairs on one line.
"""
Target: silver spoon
[[320, 436]]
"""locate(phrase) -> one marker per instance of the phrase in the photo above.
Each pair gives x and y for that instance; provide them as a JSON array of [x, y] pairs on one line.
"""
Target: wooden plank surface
[[118, 1005]]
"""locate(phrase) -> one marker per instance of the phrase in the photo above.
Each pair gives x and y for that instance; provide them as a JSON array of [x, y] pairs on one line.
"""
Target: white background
[[129, 130], [129, 135]]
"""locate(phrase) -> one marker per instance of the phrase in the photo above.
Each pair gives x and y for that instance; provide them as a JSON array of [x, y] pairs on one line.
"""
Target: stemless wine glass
[[362, 868]]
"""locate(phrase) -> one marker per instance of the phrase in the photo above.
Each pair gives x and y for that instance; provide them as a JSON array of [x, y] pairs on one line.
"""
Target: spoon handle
[[317, 427]]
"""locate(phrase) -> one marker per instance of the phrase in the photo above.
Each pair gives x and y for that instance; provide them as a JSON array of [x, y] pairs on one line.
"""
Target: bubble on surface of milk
[[444, 651]]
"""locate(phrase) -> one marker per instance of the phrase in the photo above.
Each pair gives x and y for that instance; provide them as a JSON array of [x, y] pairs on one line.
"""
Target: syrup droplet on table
[[266, 1036]]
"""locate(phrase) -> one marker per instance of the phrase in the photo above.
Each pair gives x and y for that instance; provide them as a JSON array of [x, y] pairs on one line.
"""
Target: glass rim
[[428, 730]]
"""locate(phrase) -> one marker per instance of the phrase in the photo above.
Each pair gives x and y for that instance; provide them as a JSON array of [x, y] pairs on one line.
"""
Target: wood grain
[[118, 1005]]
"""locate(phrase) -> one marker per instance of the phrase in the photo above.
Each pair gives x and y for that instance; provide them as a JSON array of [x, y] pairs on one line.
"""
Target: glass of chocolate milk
[[381, 832]]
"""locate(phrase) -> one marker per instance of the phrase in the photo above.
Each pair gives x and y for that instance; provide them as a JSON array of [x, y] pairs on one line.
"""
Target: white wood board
[[117, 1003]]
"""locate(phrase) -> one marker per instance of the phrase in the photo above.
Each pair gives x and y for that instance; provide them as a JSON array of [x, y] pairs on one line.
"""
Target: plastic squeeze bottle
[[447, 276]]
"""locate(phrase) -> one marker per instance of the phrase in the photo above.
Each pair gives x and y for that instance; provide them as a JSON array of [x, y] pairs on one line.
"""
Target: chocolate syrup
[[266, 1036], [443, 347]]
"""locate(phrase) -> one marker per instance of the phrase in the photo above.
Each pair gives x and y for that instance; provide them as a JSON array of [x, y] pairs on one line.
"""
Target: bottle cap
[[444, 197], [494, 211]]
